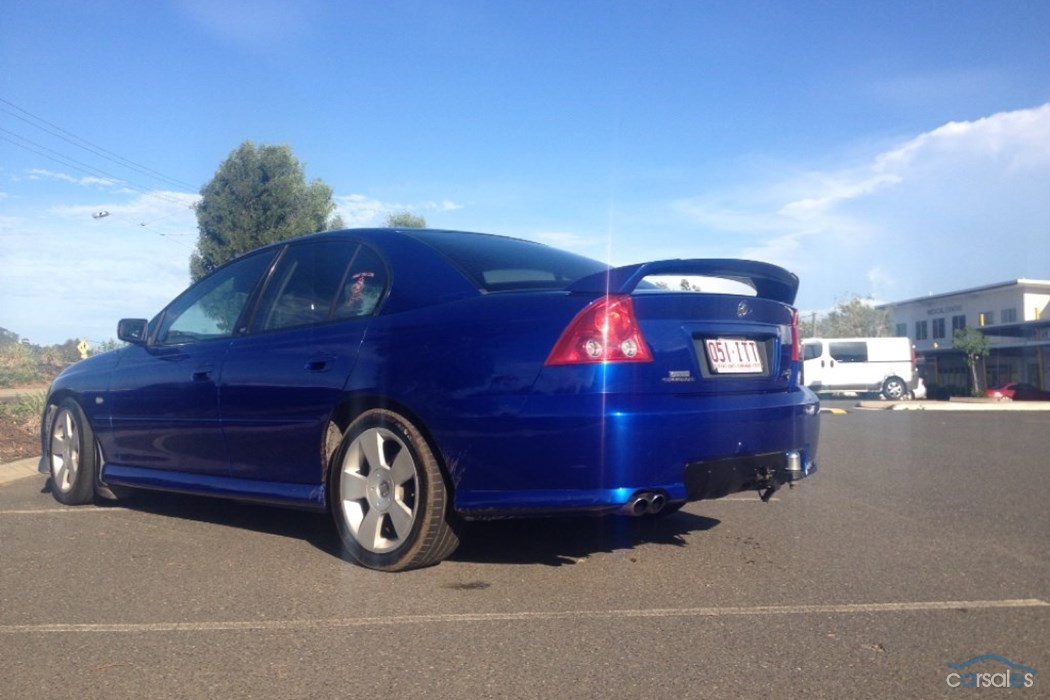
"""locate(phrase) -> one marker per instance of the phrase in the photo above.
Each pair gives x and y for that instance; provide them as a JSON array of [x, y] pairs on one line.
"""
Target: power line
[[82, 143], [68, 162]]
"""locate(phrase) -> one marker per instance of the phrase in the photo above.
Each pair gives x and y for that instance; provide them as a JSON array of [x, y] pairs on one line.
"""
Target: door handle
[[202, 375], [319, 364]]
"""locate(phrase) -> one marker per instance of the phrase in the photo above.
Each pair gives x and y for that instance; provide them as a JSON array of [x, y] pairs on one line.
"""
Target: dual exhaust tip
[[644, 503]]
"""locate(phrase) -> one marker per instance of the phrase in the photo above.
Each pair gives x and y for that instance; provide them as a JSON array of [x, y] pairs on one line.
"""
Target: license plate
[[732, 356]]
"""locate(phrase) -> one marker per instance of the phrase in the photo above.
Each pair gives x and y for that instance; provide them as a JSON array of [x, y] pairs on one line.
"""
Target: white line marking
[[459, 618], [49, 511]]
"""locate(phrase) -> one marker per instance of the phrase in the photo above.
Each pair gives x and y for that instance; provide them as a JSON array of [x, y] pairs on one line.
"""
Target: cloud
[[960, 205], [358, 210], [69, 275], [83, 181], [256, 24], [168, 210], [564, 239]]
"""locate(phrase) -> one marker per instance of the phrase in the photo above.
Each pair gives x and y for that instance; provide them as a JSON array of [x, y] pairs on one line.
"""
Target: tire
[[388, 495], [71, 455], [894, 389]]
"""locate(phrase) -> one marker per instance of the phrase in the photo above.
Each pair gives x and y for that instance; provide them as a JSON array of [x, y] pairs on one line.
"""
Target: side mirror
[[132, 330]]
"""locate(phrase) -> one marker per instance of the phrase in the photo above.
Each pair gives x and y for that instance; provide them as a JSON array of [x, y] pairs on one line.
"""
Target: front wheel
[[71, 455], [388, 496], [894, 389]]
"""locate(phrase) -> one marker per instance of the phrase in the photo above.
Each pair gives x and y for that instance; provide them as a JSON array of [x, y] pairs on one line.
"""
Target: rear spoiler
[[768, 281]]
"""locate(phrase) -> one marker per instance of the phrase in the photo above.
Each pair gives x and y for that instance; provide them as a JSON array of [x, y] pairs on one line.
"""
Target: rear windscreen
[[497, 264]]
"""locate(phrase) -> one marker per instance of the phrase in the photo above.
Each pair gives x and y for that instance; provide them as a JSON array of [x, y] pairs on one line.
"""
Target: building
[[1015, 316]]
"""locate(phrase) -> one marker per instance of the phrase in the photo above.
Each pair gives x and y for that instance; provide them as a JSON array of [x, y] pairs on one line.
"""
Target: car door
[[848, 367], [813, 363], [281, 381], [164, 394]]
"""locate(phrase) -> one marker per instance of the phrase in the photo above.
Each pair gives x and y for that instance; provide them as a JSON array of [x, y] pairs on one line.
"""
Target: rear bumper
[[557, 457], [764, 473]]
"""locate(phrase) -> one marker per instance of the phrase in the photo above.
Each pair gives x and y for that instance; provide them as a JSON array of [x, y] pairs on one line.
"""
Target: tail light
[[605, 331]]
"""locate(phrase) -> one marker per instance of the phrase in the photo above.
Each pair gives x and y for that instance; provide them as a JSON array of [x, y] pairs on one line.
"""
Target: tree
[[854, 317], [974, 344], [8, 337], [259, 195], [405, 219]]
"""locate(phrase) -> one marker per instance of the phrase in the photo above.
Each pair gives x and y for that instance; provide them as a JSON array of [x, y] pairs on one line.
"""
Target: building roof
[[971, 290]]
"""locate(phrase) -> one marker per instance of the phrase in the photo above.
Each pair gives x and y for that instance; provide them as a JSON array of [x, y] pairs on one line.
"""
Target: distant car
[[407, 380], [1018, 391]]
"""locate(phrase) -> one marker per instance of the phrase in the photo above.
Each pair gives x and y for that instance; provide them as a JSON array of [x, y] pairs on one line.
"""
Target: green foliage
[[975, 345], [25, 409], [259, 195], [852, 317], [7, 337], [18, 365], [22, 363], [107, 345], [405, 219]]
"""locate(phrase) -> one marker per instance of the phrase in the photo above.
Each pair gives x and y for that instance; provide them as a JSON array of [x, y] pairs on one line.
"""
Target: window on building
[[902, 329], [938, 328], [921, 332], [986, 318], [1009, 315], [958, 323]]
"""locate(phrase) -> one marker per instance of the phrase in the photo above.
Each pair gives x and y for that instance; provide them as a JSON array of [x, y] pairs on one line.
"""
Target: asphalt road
[[922, 541]]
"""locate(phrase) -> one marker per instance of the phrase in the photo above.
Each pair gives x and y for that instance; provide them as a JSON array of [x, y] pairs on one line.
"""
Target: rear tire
[[71, 455], [388, 495], [894, 389]]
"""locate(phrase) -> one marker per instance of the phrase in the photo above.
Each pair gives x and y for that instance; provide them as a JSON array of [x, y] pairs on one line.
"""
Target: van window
[[849, 352], [811, 351]]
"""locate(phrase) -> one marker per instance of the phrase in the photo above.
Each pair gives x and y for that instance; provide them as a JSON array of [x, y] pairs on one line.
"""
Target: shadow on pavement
[[552, 541], [558, 541]]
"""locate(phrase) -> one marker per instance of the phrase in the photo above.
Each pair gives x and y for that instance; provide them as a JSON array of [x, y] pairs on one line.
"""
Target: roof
[[972, 290]]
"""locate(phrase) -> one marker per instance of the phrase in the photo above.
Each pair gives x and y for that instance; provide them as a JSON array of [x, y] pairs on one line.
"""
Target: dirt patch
[[17, 441]]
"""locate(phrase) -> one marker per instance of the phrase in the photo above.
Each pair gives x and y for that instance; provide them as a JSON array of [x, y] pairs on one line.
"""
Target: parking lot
[[922, 541]]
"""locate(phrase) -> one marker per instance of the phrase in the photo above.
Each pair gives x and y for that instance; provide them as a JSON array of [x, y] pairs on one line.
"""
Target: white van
[[883, 365]]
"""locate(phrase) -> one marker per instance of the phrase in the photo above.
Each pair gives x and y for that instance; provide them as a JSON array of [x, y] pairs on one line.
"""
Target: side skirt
[[301, 496]]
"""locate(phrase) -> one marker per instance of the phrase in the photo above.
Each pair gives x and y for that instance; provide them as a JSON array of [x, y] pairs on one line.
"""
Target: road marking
[[460, 618], [48, 511], [835, 411]]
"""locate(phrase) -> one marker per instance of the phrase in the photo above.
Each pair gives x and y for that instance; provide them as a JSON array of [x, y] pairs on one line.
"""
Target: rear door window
[[305, 287], [363, 287], [849, 351]]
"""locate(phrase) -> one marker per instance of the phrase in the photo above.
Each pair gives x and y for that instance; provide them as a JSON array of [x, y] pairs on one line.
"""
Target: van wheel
[[894, 389]]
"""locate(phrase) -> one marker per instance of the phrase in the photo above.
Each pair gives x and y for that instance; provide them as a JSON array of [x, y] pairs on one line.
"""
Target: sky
[[888, 150]]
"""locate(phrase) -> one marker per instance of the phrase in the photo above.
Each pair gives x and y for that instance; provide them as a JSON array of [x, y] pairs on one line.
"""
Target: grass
[[25, 409], [19, 365]]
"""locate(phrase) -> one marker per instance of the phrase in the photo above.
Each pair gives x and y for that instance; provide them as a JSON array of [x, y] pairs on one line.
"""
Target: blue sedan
[[409, 380]]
